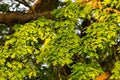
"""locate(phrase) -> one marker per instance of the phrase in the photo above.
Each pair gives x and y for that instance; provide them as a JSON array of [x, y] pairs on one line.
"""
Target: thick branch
[[17, 17]]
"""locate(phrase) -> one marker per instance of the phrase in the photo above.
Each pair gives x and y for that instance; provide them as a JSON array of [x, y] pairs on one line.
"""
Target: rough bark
[[40, 8], [18, 17]]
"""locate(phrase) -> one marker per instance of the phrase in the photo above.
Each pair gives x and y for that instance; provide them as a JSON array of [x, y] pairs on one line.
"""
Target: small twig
[[24, 3], [65, 72]]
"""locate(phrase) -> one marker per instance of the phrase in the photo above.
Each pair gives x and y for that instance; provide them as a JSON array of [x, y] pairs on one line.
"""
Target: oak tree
[[59, 40]]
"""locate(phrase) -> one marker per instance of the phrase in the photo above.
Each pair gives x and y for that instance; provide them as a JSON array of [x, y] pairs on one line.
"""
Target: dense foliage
[[81, 43]]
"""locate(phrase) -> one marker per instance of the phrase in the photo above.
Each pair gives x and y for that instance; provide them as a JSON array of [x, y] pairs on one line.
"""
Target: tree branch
[[17, 17]]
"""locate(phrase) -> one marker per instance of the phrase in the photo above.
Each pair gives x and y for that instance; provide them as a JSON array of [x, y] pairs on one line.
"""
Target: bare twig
[[24, 3]]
